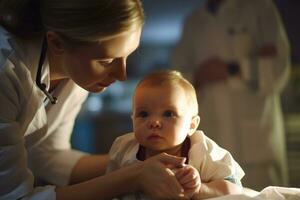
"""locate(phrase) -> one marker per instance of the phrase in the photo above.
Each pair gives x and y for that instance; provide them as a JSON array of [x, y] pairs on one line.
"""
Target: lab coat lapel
[[36, 109]]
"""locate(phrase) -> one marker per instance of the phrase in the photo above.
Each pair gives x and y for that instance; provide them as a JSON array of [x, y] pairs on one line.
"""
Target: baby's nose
[[155, 124]]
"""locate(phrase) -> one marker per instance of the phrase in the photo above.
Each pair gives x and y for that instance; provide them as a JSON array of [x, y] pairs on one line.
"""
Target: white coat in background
[[242, 114]]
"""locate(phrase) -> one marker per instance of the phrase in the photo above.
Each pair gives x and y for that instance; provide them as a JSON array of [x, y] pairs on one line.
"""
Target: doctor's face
[[161, 118], [97, 65]]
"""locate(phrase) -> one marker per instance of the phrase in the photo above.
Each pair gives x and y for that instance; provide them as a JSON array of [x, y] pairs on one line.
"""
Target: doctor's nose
[[155, 124], [119, 69]]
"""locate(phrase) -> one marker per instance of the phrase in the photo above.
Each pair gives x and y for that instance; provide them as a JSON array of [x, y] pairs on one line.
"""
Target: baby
[[165, 120]]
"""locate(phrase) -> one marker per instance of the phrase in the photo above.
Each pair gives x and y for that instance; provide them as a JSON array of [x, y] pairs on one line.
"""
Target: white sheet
[[268, 193]]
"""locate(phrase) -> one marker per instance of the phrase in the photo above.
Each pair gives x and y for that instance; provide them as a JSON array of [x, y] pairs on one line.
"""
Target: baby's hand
[[190, 180]]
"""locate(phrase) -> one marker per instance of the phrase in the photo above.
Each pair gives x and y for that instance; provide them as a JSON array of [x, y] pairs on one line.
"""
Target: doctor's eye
[[142, 114], [169, 113], [105, 62]]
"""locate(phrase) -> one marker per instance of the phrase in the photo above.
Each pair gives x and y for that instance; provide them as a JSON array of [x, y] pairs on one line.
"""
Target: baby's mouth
[[155, 136]]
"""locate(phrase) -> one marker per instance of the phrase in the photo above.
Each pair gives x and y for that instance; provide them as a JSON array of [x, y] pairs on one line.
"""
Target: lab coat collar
[[29, 51]]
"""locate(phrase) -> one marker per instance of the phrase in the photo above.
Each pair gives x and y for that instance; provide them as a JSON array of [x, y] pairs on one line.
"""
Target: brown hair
[[76, 20]]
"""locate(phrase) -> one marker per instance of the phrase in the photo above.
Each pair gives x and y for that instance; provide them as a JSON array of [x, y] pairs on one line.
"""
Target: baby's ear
[[195, 121]]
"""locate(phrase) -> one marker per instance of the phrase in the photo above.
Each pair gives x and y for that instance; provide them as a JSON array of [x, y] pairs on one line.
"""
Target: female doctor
[[237, 54], [52, 53]]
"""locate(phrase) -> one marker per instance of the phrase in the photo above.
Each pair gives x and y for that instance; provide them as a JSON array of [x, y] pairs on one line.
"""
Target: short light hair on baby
[[172, 77]]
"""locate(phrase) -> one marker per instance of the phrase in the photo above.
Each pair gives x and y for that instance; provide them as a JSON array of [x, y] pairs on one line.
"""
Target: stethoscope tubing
[[38, 79]]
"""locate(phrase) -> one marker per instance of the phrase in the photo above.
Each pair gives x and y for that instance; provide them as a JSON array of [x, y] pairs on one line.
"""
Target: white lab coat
[[34, 135], [242, 114], [212, 161]]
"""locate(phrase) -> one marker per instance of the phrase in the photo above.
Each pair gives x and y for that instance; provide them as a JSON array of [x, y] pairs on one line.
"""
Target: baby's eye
[[142, 114], [169, 113]]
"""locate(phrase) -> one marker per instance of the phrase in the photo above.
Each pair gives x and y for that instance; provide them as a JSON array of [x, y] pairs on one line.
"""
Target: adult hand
[[268, 51], [158, 181], [209, 71], [189, 178]]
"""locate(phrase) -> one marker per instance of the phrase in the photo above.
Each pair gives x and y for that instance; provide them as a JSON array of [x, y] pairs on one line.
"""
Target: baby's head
[[165, 112]]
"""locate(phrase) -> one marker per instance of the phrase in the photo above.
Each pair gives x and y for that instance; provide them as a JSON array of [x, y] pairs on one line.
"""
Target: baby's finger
[[171, 161], [180, 173], [191, 185], [188, 177], [176, 187]]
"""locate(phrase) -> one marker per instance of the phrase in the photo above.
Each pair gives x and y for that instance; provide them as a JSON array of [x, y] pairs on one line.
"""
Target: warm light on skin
[[97, 65], [162, 118]]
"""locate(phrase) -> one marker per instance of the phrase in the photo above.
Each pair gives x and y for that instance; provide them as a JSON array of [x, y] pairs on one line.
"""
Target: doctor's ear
[[194, 124], [55, 43]]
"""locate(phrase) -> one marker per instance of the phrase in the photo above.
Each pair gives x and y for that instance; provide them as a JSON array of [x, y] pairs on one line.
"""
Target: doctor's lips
[[105, 84]]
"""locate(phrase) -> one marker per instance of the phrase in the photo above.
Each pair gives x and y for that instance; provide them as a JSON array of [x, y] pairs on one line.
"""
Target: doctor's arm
[[16, 179], [148, 176], [88, 167]]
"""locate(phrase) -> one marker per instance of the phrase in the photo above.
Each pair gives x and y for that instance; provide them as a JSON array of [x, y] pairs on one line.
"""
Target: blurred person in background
[[236, 54]]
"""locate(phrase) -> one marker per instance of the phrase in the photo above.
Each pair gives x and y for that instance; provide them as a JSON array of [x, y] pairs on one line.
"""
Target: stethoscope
[[38, 80]]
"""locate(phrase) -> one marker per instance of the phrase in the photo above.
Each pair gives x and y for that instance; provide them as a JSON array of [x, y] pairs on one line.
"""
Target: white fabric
[[212, 161], [268, 193], [242, 114], [34, 138]]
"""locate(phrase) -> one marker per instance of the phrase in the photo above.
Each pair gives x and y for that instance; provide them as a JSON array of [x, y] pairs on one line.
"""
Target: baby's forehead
[[164, 88], [163, 92], [166, 96]]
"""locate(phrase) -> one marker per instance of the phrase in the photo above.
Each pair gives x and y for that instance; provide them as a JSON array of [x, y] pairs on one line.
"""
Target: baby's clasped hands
[[189, 178]]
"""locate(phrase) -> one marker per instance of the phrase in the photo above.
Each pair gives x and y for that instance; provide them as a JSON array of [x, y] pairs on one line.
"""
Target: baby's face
[[161, 118]]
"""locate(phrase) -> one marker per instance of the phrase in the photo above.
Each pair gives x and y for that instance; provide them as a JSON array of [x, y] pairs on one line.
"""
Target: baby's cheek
[[139, 125], [139, 131], [139, 139]]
